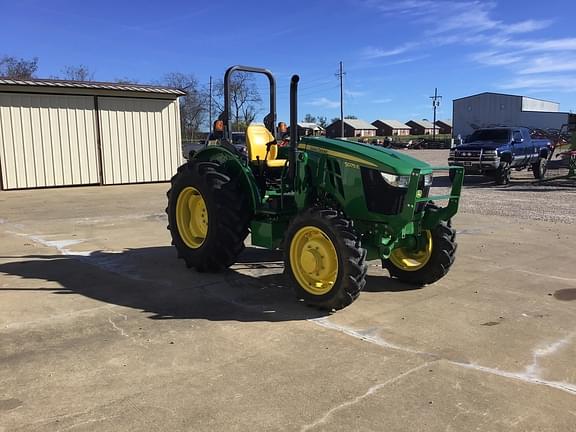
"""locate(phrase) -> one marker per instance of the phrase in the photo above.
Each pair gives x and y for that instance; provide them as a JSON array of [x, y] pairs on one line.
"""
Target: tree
[[309, 118], [125, 80], [351, 117], [18, 68], [334, 120], [322, 121], [77, 73], [193, 106], [244, 100]]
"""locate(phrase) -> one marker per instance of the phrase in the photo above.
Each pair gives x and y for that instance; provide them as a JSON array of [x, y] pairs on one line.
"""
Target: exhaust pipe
[[293, 127]]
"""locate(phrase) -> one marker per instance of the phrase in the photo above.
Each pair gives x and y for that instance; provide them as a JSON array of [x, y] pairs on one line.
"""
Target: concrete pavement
[[102, 328]]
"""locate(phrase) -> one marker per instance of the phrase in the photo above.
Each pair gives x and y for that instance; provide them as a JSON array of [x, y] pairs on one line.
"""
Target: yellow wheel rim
[[191, 217], [314, 260], [412, 260]]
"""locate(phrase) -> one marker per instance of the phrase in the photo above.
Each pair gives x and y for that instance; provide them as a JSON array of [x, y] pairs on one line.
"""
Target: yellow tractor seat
[[257, 136]]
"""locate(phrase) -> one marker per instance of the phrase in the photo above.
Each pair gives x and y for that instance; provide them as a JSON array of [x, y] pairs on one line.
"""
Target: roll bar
[[270, 119]]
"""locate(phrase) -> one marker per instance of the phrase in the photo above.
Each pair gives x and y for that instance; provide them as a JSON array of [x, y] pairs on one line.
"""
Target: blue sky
[[394, 52]]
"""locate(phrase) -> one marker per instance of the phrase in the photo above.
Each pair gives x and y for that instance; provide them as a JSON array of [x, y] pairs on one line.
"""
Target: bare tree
[[322, 121], [125, 80], [351, 117], [309, 118], [244, 99], [77, 73], [193, 106], [18, 68]]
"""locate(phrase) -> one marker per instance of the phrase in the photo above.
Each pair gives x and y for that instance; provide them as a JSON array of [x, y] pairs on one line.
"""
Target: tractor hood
[[374, 157]]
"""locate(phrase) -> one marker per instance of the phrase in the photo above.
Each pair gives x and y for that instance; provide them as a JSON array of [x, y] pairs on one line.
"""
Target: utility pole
[[435, 104], [340, 75], [210, 108]]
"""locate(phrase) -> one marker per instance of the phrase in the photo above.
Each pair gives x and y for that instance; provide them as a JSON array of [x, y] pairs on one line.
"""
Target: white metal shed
[[63, 133]]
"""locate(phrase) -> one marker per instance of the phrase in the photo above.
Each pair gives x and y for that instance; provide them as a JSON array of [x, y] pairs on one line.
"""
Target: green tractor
[[329, 204]]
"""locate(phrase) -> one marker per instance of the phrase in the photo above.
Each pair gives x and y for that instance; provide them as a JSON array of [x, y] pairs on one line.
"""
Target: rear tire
[[218, 244], [539, 168], [503, 174], [440, 260], [324, 259]]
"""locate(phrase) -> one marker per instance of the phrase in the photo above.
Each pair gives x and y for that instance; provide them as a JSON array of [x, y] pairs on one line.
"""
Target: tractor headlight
[[396, 180], [428, 179]]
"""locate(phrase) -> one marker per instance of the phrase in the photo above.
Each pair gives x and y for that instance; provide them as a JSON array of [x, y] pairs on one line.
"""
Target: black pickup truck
[[495, 151]]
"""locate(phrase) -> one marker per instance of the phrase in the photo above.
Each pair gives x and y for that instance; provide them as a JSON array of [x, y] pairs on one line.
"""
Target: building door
[[47, 140]]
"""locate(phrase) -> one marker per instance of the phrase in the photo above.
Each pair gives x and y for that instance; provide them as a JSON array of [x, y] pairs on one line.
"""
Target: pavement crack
[[533, 370], [372, 390], [530, 376], [117, 329], [122, 332]]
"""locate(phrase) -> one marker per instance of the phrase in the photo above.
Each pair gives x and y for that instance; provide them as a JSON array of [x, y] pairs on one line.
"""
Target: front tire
[[503, 174], [324, 259], [539, 168], [208, 216], [428, 264]]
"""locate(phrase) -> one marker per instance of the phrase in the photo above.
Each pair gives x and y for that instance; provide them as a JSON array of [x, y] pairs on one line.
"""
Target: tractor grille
[[385, 199], [380, 196]]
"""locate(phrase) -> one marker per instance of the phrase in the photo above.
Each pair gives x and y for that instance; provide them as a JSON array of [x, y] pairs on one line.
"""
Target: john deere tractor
[[329, 204]]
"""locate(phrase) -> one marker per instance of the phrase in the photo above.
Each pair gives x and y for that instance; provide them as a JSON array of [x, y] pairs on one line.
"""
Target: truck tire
[[428, 265], [539, 168], [503, 174], [324, 259], [208, 216]]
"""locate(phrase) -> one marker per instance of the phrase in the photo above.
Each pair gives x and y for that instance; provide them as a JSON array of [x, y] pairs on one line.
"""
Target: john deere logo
[[419, 194]]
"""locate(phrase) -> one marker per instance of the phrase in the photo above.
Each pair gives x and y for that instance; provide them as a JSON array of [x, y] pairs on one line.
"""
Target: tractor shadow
[[382, 283], [153, 281]]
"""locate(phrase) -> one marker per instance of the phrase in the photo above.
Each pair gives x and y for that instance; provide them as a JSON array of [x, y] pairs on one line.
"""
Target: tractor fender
[[235, 167]]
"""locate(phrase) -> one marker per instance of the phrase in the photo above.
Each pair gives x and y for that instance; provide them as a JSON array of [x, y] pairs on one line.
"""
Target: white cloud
[[566, 44], [372, 52], [499, 41], [548, 64], [353, 93], [494, 58], [527, 26], [549, 83], [381, 101], [324, 103]]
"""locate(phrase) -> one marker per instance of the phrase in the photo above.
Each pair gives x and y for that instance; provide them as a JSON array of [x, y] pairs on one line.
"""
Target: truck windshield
[[493, 135]]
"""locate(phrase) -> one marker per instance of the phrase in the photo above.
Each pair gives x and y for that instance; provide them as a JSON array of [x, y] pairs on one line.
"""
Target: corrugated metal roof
[[500, 94], [394, 124], [359, 124], [307, 125], [92, 85], [424, 123]]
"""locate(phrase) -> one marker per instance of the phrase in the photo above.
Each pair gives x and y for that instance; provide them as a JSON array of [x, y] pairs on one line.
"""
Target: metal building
[[496, 109], [63, 133]]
